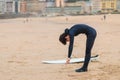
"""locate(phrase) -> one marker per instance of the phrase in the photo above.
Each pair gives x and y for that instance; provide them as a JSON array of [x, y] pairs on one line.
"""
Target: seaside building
[[118, 5], [32, 6], [59, 6], [23, 6], [108, 6], [2, 5], [59, 3], [9, 6], [95, 6]]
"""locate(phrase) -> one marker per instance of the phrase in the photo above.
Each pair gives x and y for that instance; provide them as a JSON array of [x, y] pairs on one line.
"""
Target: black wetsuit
[[91, 35]]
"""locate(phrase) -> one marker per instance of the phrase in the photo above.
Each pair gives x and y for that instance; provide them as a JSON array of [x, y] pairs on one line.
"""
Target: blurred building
[[95, 6], [2, 5], [59, 3], [35, 6], [59, 6], [9, 6], [118, 5], [108, 6]]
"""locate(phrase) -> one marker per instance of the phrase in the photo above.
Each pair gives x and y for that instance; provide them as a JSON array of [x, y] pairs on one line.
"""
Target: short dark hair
[[62, 38]]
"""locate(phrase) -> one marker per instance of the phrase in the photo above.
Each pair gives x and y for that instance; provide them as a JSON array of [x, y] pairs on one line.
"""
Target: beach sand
[[24, 44]]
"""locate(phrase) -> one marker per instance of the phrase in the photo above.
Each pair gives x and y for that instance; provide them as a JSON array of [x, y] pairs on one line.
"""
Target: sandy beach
[[25, 43]]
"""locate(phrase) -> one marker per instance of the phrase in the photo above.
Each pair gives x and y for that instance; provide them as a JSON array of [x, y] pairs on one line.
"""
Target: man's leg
[[89, 45]]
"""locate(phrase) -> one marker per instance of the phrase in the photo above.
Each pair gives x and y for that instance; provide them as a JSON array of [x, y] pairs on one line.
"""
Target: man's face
[[67, 38]]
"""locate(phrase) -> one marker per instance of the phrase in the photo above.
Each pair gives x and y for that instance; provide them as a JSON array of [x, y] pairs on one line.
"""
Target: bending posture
[[68, 36]]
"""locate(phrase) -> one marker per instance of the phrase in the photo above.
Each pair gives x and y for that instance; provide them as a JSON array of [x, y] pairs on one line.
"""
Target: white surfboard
[[73, 60]]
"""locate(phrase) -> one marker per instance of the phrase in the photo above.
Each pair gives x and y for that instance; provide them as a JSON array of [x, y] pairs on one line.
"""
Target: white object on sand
[[73, 60]]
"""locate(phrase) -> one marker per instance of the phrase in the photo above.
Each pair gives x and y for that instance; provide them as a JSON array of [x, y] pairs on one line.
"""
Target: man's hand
[[68, 61]]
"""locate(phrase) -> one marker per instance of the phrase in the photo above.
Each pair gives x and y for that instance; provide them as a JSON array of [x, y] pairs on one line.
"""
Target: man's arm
[[70, 49]]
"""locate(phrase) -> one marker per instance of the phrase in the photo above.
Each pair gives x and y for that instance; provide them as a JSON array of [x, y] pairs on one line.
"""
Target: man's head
[[64, 37]]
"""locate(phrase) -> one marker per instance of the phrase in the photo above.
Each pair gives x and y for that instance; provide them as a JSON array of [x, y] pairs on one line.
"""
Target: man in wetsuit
[[68, 36]]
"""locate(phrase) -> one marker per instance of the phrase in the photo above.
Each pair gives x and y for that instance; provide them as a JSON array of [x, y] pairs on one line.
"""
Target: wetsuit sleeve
[[70, 49]]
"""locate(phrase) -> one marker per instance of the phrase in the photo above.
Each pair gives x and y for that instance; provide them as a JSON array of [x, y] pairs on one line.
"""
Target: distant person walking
[[104, 17]]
